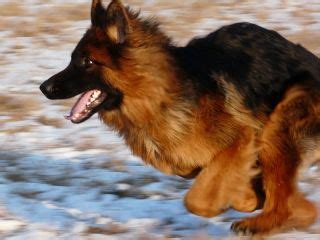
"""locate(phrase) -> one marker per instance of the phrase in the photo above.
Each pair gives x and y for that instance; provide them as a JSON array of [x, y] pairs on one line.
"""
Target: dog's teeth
[[96, 94]]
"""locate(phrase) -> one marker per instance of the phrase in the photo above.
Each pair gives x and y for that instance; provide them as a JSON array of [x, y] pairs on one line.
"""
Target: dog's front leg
[[226, 182]]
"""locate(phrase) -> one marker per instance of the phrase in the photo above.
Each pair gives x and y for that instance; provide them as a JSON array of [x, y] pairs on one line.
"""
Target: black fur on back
[[260, 63]]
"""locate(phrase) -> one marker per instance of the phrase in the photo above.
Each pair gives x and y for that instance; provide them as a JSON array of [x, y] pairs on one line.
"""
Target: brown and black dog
[[210, 110]]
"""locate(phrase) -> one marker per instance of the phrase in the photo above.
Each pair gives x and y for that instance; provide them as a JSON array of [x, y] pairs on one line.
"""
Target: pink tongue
[[81, 104]]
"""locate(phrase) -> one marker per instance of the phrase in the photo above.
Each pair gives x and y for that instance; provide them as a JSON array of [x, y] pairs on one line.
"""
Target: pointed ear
[[98, 13], [117, 22]]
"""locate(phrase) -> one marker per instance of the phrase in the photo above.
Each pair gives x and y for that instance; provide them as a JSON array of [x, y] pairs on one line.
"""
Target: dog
[[238, 105]]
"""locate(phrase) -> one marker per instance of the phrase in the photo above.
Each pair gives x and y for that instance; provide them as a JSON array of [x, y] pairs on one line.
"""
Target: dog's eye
[[87, 62]]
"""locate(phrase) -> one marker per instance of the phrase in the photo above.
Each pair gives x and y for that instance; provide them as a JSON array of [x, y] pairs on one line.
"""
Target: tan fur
[[235, 106], [112, 32]]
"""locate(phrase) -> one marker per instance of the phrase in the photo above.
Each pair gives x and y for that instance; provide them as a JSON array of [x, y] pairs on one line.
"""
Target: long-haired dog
[[220, 109]]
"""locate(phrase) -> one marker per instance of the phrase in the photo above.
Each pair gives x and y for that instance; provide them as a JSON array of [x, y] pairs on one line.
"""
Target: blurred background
[[64, 181]]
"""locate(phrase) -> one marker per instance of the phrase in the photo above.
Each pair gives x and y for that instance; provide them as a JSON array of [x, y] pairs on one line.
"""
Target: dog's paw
[[243, 228]]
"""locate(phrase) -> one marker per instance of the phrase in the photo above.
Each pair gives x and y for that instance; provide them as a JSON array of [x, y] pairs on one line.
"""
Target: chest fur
[[181, 149]]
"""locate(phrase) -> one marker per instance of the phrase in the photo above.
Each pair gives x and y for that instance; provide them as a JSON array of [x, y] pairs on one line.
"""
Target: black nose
[[48, 89]]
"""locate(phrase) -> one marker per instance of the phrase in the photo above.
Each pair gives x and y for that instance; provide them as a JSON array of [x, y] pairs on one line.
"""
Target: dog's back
[[260, 63]]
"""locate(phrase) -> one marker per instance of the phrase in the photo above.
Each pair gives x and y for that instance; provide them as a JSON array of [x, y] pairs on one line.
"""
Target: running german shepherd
[[222, 108]]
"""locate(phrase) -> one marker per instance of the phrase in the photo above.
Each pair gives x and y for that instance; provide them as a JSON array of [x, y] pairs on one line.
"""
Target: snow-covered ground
[[64, 181]]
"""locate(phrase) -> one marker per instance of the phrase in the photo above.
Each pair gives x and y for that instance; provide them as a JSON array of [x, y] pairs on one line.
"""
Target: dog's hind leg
[[280, 157], [226, 182]]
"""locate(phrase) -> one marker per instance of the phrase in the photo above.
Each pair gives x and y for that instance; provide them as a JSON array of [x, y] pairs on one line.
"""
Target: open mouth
[[88, 104]]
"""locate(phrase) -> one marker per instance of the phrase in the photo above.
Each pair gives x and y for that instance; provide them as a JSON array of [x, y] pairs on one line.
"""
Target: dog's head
[[102, 68], [99, 48]]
